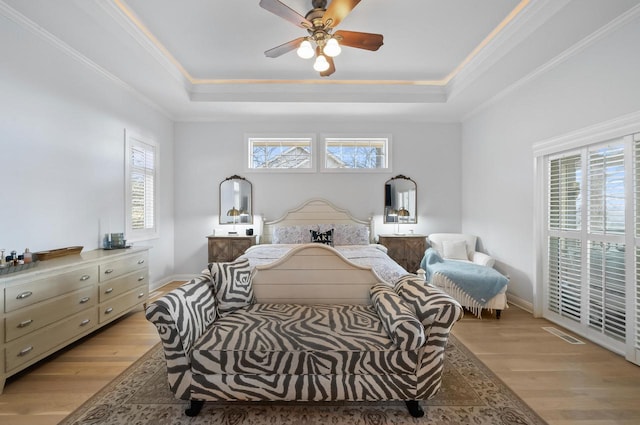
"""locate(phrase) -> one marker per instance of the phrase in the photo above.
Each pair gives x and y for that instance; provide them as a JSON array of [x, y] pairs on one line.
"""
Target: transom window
[[284, 153], [356, 153]]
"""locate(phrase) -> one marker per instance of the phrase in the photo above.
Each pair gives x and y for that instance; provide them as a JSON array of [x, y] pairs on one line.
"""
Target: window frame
[[282, 136], [137, 235], [322, 152]]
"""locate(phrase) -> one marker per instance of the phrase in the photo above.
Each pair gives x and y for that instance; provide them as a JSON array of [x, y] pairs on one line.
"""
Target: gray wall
[[594, 85], [62, 151], [207, 153]]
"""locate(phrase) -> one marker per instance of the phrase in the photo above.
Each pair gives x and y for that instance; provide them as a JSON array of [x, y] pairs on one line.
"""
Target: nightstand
[[406, 250], [224, 249]]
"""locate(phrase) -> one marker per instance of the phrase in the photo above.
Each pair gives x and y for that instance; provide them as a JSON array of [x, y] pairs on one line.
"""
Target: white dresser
[[61, 300]]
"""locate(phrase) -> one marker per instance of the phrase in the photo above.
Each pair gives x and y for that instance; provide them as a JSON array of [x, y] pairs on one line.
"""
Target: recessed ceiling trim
[[135, 21]]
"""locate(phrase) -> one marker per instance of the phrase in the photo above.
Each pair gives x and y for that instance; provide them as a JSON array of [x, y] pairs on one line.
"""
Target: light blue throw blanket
[[479, 282]]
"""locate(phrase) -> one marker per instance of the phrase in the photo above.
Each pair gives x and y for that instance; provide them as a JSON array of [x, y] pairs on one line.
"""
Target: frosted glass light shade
[[321, 64], [332, 48], [305, 50]]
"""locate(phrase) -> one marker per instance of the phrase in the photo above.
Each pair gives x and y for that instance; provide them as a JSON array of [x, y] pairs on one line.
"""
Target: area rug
[[470, 394]]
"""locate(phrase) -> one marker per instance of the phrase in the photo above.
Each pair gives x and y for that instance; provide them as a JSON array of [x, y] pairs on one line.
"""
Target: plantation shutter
[[564, 245], [141, 172], [606, 262]]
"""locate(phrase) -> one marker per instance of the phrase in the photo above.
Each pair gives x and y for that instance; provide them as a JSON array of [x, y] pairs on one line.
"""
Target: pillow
[[232, 285], [455, 250], [401, 324], [350, 234], [322, 237], [291, 234], [417, 294]]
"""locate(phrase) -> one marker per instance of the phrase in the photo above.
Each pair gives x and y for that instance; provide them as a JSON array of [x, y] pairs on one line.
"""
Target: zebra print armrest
[[184, 313]]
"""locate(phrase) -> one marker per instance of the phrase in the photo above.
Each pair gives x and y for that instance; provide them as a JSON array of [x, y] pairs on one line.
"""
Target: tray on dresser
[[58, 252]]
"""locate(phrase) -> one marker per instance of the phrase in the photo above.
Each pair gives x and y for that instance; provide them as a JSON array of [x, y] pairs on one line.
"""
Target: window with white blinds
[[140, 189], [589, 275]]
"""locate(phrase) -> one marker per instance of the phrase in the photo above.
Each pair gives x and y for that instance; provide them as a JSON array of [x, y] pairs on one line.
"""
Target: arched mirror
[[400, 200], [236, 201]]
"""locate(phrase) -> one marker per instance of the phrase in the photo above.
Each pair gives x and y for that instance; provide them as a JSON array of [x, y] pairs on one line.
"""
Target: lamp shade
[[233, 212], [403, 212]]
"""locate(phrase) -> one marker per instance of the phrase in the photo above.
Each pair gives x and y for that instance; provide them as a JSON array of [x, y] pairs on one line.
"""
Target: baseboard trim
[[520, 302]]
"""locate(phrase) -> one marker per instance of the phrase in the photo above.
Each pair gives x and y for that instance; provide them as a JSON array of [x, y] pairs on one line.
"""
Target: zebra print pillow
[[404, 329], [232, 285], [414, 292]]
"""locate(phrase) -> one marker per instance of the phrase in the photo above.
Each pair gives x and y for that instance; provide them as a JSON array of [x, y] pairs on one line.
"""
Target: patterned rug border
[[84, 408]]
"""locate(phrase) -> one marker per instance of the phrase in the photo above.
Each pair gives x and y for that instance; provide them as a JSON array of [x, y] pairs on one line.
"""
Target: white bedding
[[373, 255]]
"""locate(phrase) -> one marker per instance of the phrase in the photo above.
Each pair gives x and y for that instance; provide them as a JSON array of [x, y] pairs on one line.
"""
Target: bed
[[352, 246]]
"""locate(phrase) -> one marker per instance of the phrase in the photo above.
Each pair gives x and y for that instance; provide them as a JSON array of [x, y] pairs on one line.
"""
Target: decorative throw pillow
[[350, 234], [232, 285], [455, 250], [416, 293], [322, 237], [401, 324], [291, 234]]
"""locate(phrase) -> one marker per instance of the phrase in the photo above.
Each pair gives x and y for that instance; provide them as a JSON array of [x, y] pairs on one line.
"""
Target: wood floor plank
[[564, 383]]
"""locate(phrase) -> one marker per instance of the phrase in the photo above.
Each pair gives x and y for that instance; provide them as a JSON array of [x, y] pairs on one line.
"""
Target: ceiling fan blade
[[331, 69], [338, 10], [360, 40], [282, 10], [284, 48]]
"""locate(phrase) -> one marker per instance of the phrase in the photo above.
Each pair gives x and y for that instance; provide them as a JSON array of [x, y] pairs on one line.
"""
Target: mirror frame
[[229, 200], [390, 214]]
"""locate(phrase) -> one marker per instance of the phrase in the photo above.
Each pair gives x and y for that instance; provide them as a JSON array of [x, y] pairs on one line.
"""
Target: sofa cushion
[[422, 298], [232, 285], [400, 322], [300, 339]]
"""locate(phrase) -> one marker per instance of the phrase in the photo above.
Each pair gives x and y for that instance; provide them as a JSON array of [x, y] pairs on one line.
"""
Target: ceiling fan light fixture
[[332, 48], [321, 64], [305, 51]]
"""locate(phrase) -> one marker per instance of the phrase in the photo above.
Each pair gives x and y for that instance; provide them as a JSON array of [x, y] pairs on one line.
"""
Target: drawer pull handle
[[85, 277], [109, 310], [141, 278], [24, 295], [140, 261], [25, 323], [25, 351], [85, 322], [108, 290], [84, 300], [141, 294], [108, 271]]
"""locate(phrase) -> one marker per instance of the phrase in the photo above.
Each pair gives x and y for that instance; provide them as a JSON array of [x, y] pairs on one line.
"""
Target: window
[[280, 153], [356, 153], [591, 217], [140, 189]]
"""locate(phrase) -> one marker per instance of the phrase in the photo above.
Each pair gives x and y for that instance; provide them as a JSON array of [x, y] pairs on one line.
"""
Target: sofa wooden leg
[[498, 313], [194, 407], [414, 408]]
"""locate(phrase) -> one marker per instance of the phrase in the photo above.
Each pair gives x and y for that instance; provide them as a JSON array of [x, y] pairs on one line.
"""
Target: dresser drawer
[[116, 306], [34, 345], [29, 293], [118, 268], [30, 319], [116, 287]]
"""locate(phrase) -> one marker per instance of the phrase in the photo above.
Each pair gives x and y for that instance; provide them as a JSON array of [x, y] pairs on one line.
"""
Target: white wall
[[595, 85], [207, 153], [62, 151]]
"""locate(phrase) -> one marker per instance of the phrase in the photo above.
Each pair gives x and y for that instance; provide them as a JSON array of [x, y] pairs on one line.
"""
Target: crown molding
[[29, 25], [582, 45], [617, 127], [530, 18]]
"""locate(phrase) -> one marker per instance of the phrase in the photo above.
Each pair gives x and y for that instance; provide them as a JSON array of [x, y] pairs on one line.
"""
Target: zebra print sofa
[[390, 349]]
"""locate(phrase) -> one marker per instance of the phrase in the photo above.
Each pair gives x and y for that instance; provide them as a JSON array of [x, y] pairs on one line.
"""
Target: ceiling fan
[[319, 23]]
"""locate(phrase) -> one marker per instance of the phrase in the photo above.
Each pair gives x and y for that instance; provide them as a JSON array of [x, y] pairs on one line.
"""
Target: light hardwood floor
[[564, 383]]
